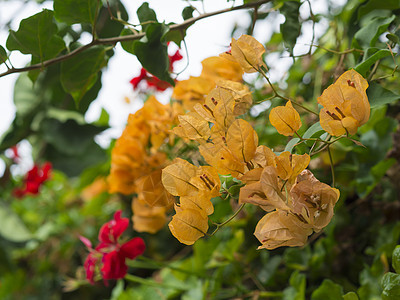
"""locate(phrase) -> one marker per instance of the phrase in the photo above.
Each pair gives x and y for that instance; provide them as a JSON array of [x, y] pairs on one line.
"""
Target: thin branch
[[115, 40]]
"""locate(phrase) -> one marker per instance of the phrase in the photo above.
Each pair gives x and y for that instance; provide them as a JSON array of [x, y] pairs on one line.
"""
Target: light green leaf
[[350, 296], [369, 34], [379, 96], [391, 286], [36, 35], [290, 145], [75, 11], [11, 226], [328, 290], [371, 5], [314, 130], [396, 259], [364, 66]]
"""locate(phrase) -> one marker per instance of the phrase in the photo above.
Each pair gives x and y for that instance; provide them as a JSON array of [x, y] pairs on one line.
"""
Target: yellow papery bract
[[192, 91], [153, 191], [201, 201], [240, 93], [146, 218], [207, 180], [345, 103], [248, 52], [264, 156], [188, 225], [176, 178], [313, 200], [192, 126], [272, 189], [280, 228], [218, 67], [290, 165], [228, 163], [285, 119], [242, 140]]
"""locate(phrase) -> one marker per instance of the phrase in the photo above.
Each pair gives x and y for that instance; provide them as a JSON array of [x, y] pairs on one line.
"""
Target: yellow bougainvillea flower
[[192, 91], [240, 93], [188, 225], [313, 200], [281, 228], [248, 52], [193, 127], [216, 68], [285, 119], [201, 201], [153, 191], [146, 218], [176, 178], [345, 104], [289, 165]]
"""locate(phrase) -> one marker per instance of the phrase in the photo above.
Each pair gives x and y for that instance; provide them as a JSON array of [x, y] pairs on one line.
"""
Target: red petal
[[114, 266], [133, 248], [111, 231], [86, 242], [90, 265]]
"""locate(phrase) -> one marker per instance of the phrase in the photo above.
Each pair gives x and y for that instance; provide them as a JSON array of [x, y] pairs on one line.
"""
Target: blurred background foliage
[[355, 257]]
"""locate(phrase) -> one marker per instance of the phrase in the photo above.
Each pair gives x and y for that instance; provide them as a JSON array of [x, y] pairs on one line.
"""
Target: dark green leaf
[[75, 11], [396, 259], [69, 137], [328, 290], [128, 46], [187, 12], [11, 226], [106, 27], [36, 35], [297, 287], [391, 286], [371, 5], [379, 96], [369, 34], [79, 73], [153, 54], [176, 36], [146, 15], [393, 38], [364, 66], [3, 55], [291, 28]]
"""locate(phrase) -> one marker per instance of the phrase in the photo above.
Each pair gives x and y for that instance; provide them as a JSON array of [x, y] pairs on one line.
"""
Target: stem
[[227, 221], [149, 282], [115, 40], [332, 168], [282, 97]]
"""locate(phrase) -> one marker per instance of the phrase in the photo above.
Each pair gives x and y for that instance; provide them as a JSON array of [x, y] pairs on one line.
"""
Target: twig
[[115, 40]]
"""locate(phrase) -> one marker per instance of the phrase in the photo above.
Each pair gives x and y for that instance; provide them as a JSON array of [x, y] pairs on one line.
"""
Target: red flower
[[33, 180], [152, 81], [111, 252]]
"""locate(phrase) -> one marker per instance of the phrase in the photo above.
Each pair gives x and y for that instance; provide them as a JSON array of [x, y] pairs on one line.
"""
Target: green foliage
[[37, 35], [76, 11], [291, 28]]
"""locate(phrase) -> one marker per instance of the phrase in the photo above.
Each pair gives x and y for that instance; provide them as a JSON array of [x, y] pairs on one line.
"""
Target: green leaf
[[328, 290], [297, 288], [291, 28], [369, 34], [152, 52], [391, 286], [379, 96], [371, 5], [26, 99], [176, 36], [290, 145], [3, 55], [146, 14], [69, 137], [107, 27], [364, 66], [75, 11], [187, 12], [350, 296], [11, 226], [79, 73], [128, 46], [36, 35], [314, 130], [393, 38], [396, 259]]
